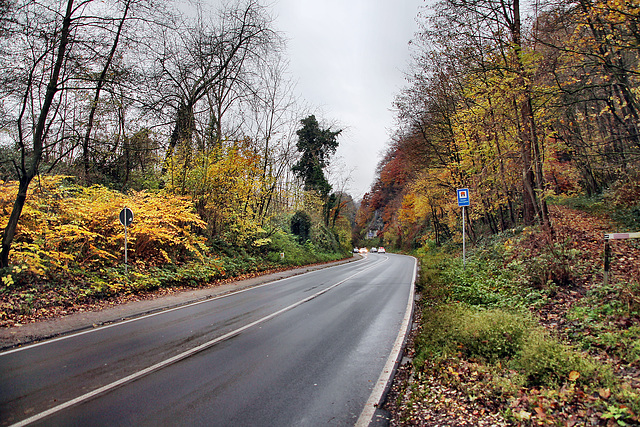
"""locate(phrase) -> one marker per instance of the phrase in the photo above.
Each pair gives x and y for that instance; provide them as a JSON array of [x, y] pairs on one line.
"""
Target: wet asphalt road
[[304, 351]]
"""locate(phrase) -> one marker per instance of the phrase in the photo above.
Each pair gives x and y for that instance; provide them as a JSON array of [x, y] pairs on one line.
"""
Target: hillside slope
[[594, 322]]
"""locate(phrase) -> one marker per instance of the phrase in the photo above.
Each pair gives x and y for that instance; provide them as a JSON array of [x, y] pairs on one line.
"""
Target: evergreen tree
[[316, 145]]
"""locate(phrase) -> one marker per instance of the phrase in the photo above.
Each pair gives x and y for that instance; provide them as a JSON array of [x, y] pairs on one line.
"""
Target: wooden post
[[607, 249], [607, 260]]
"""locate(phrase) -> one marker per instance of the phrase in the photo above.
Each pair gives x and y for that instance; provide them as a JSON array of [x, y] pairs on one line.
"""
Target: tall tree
[[48, 51], [208, 63], [100, 83], [487, 37], [31, 149], [591, 61], [316, 145], [271, 119]]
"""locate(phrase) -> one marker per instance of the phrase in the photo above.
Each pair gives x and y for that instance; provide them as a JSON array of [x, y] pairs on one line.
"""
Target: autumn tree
[[492, 40], [224, 187], [590, 70]]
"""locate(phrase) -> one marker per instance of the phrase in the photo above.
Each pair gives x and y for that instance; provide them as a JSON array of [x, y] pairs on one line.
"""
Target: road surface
[[309, 350]]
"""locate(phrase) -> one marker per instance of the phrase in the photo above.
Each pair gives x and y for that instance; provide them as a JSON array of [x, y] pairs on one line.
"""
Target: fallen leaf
[[574, 375], [604, 393], [522, 415]]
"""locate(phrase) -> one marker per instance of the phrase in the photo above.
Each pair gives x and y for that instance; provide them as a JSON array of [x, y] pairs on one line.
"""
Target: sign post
[[463, 202], [126, 218]]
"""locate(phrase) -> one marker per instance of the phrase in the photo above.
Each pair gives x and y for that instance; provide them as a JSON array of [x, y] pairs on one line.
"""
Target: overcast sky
[[349, 58]]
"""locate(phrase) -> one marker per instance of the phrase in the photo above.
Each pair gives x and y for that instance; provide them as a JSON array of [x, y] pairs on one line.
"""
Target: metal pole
[[464, 246], [125, 248]]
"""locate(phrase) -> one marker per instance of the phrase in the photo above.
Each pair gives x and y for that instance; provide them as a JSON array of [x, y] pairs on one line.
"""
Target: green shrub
[[490, 335], [546, 362], [487, 283], [436, 334], [505, 338], [294, 253]]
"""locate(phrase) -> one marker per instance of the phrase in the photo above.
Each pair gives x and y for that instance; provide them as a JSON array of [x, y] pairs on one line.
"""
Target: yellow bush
[[63, 224]]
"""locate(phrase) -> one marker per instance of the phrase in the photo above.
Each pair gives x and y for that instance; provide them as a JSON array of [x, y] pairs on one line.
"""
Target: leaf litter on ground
[[459, 392]]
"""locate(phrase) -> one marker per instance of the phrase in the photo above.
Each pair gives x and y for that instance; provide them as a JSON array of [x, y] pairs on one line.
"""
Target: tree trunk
[[182, 131], [96, 97], [532, 173], [529, 200], [10, 230], [28, 169]]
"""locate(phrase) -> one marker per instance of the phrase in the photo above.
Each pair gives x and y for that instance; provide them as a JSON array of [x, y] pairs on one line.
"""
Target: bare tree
[[203, 68], [101, 81], [47, 51], [271, 121]]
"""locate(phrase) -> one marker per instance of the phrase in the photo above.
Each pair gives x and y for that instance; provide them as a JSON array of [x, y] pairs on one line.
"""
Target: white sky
[[348, 58]]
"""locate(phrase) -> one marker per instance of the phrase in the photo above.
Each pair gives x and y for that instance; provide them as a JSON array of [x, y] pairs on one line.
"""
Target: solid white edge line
[[176, 358], [368, 413], [161, 311]]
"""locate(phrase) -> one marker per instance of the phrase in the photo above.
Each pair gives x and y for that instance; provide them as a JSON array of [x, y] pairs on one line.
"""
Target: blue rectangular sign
[[463, 197]]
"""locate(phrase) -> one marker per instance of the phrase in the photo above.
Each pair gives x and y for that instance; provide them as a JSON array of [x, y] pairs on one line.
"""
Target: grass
[[480, 334]]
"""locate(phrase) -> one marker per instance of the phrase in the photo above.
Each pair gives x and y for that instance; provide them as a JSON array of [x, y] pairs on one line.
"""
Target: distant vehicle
[[381, 250], [363, 250], [356, 250], [374, 249]]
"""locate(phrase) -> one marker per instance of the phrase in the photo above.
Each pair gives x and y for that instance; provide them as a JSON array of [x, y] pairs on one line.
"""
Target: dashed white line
[[146, 316]]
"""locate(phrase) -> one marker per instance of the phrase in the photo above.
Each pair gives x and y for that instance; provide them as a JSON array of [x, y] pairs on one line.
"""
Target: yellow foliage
[[64, 225], [225, 184]]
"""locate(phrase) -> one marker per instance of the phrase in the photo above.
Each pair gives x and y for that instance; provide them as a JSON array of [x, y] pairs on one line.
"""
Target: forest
[[189, 117], [533, 108], [185, 115], [518, 107]]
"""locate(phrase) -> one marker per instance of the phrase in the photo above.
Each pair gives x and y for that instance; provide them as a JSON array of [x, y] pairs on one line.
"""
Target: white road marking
[[146, 316], [176, 358], [366, 417]]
